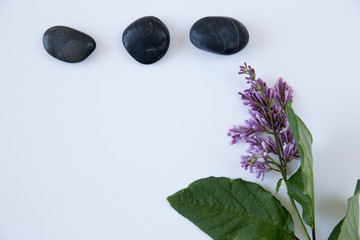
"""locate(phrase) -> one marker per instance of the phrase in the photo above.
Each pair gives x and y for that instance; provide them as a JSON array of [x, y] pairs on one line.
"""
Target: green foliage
[[278, 185], [301, 184], [348, 227], [233, 209]]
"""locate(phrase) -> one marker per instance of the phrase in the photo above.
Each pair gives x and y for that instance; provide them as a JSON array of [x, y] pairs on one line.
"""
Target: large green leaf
[[301, 184], [233, 209], [348, 227]]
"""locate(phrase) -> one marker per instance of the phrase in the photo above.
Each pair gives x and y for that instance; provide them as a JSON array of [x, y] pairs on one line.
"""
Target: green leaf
[[278, 185], [233, 209], [301, 184], [348, 227]]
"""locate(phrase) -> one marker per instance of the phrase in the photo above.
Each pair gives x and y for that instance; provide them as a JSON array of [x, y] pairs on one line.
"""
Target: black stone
[[222, 35], [146, 40], [67, 44]]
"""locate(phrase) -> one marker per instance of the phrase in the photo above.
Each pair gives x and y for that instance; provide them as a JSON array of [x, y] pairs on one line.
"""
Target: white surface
[[92, 150]]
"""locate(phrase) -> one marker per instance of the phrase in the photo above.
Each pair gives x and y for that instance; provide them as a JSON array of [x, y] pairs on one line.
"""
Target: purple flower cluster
[[272, 144]]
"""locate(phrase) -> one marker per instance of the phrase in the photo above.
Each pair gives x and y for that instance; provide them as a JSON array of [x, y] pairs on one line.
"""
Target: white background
[[92, 150]]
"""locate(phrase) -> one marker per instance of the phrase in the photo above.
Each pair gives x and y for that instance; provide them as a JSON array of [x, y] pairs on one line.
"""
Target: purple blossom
[[255, 166], [283, 92], [287, 140], [267, 131]]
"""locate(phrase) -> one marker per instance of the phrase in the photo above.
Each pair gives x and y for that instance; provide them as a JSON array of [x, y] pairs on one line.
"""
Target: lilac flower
[[283, 92], [287, 139], [255, 166], [267, 131]]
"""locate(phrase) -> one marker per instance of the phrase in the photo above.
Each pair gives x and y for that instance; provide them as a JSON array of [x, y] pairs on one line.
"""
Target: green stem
[[298, 214], [284, 175], [271, 161]]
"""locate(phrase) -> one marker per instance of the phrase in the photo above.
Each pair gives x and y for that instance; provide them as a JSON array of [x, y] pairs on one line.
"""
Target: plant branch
[[284, 175], [298, 214]]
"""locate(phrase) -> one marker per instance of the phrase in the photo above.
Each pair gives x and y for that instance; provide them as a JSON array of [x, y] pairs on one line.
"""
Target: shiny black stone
[[67, 44], [222, 35], [146, 40]]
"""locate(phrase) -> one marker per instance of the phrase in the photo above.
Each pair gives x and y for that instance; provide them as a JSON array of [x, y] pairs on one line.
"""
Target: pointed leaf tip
[[278, 185], [357, 188], [348, 227]]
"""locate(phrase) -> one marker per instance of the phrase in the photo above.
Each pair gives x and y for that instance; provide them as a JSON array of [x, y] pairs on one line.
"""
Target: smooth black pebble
[[146, 40], [67, 44], [222, 35]]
